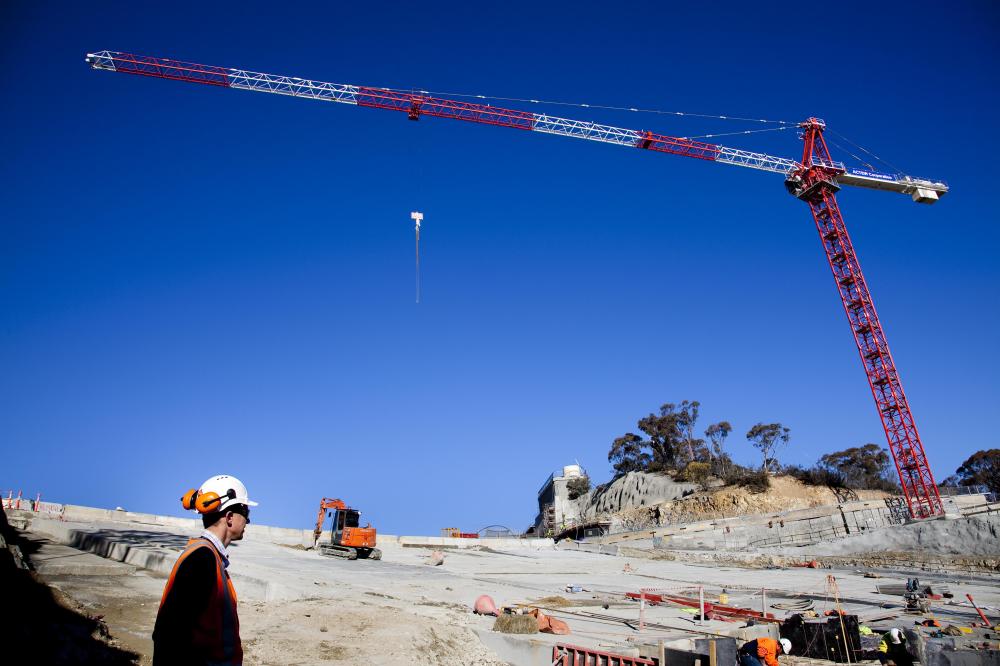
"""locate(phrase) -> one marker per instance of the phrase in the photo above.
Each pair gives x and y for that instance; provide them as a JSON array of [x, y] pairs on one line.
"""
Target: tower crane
[[815, 180]]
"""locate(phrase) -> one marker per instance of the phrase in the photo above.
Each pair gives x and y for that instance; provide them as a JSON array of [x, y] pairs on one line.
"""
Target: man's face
[[237, 524]]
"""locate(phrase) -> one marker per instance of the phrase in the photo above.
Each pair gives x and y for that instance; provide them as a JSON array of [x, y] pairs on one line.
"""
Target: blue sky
[[197, 281]]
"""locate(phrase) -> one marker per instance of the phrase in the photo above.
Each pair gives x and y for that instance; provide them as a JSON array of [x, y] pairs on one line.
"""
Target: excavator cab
[[343, 520], [348, 540]]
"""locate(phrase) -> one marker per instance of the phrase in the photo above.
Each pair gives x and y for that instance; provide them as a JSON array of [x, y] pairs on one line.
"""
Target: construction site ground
[[298, 607]]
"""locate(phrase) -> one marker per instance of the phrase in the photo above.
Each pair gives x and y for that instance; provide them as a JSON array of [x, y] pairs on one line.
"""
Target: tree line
[[982, 468], [668, 441]]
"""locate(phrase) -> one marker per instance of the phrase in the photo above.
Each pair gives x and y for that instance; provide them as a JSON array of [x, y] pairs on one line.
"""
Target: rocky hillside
[[643, 499], [635, 489]]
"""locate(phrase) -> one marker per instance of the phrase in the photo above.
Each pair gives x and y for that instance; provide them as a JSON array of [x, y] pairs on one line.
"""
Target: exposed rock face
[[635, 489], [639, 500]]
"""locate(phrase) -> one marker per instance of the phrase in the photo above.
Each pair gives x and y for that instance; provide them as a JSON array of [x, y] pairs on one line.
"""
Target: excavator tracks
[[347, 553]]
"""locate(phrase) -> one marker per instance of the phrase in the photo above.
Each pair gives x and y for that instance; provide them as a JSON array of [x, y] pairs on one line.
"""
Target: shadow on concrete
[[155, 551], [41, 624], [106, 539]]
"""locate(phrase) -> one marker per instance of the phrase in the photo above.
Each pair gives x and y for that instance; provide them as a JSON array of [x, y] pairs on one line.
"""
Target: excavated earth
[[681, 503]]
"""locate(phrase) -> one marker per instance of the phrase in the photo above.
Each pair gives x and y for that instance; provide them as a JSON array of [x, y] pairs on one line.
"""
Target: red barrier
[[717, 609], [571, 655]]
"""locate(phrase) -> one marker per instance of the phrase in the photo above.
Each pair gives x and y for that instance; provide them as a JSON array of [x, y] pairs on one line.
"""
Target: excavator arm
[[324, 505]]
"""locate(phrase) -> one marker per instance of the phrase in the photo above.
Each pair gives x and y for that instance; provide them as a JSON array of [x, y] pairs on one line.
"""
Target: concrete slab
[[53, 559]]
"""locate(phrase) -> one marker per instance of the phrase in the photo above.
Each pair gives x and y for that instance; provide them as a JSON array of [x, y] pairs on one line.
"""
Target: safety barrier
[[24, 503], [575, 655]]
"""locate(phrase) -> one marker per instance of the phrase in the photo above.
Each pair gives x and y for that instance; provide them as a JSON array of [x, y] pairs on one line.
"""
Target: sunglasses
[[241, 509]]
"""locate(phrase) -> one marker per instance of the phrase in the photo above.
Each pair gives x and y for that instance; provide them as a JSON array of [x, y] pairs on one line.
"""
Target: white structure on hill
[[556, 510]]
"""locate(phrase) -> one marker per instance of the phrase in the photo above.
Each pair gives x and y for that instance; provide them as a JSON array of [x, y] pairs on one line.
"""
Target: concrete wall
[[586, 547], [84, 514], [802, 527], [51, 515], [452, 542], [799, 527]]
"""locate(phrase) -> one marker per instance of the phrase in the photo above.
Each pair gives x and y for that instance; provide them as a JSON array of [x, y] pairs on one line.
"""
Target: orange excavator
[[347, 539]]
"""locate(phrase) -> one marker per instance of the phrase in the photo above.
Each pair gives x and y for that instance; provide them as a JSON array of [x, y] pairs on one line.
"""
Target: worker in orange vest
[[197, 624], [764, 650]]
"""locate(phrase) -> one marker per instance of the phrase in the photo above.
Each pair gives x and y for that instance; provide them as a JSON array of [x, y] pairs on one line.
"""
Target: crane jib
[[416, 104]]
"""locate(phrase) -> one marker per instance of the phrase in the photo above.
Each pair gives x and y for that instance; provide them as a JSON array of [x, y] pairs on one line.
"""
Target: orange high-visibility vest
[[767, 650], [217, 631]]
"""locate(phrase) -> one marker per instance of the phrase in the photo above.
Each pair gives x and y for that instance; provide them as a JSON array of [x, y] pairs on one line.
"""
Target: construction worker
[[892, 649], [197, 622], [763, 650]]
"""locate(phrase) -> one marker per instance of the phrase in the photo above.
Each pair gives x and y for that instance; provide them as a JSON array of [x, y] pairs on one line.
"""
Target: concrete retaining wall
[[125, 536], [743, 521], [598, 548], [144, 555], [85, 514], [264, 533], [793, 528], [452, 542]]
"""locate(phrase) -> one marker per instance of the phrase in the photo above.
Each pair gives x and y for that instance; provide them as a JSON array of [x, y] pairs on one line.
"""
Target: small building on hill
[[556, 511]]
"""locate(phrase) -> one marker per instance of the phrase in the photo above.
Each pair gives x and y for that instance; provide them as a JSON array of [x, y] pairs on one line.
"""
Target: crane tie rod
[[602, 107]]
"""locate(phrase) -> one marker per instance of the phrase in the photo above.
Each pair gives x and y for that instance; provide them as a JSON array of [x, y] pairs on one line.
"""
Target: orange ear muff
[[205, 502], [189, 498]]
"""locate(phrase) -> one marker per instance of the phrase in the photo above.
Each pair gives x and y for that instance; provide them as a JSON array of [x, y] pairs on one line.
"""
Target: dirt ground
[[54, 629], [319, 632], [126, 605], [303, 631]]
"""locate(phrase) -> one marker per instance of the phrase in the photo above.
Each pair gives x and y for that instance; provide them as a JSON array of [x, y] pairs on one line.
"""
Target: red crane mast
[[815, 180]]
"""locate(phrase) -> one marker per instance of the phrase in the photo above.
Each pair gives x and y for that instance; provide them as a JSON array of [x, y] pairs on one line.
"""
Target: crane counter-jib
[[417, 105], [922, 191]]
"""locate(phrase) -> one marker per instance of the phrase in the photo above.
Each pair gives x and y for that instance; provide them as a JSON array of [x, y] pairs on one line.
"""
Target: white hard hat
[[229, 488], [786, 645], [896, 635]]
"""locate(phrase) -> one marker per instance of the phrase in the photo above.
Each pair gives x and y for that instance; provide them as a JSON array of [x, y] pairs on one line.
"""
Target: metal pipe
[[969, 597]]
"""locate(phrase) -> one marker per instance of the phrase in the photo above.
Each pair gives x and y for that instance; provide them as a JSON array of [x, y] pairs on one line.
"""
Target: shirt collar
[[214, 540]]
